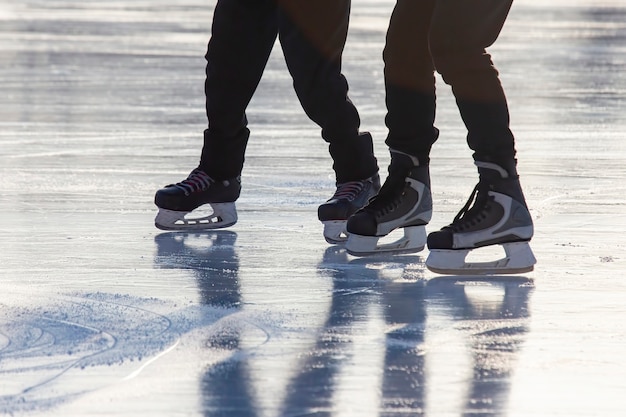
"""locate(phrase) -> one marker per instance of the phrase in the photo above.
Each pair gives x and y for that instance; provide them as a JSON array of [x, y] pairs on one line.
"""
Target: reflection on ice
[[372, 322], [102, 314]]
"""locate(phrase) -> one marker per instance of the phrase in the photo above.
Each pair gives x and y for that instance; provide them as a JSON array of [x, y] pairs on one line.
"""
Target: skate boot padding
[[498, 216], [177, 203], [404, 201], [349, 197]]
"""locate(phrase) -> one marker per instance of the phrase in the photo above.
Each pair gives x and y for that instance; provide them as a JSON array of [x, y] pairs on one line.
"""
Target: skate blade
[[518, 259], [335, 232], [413, 240], [222, 215]]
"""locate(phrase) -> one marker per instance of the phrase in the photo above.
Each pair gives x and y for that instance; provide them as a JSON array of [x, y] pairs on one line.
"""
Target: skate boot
[[349, 197], [177, 201], [404, 202], [499, 216]]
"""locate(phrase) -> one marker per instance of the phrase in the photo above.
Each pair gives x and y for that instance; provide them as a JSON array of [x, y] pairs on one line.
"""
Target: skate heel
[[221, 215], [518, 259], [413, 240], [348, 198], [335, 231]]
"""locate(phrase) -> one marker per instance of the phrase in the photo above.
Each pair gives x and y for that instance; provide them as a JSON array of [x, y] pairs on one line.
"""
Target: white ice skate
[[404, 202], [335, 231], [518, 259], [197, 203], [498, 216], [413, 240], [348, 198]]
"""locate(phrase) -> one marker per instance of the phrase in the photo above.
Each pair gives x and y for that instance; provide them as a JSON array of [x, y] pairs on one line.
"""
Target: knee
[[455, 66], [455, 57]]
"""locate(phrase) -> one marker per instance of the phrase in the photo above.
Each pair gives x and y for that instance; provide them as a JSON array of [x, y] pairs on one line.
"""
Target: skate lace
[[197, 180], [348, 190], [471, 215], [389, 197]]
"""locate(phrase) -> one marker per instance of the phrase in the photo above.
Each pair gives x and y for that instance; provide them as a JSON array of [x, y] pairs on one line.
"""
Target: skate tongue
[[401, 163], [479, 193], [385, 197], [496, 171]]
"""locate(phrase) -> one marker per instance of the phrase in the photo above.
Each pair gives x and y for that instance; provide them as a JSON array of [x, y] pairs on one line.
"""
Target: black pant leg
[[243, 34], [459, 35], [410, 80], [313, 36]]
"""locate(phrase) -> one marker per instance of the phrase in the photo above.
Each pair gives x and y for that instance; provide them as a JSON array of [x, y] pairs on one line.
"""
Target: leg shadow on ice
[[491, 314], [490, 317], [212, 258], [363, 292]]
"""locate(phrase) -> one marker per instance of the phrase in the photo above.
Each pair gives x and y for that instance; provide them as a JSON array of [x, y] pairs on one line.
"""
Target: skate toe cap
[[169, 198], [334, 210], [362, 223], [442, 239]]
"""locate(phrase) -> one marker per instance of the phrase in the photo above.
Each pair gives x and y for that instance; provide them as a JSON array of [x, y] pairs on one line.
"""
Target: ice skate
[[349, 197], [177, 203], [498, 216], [404, 202]]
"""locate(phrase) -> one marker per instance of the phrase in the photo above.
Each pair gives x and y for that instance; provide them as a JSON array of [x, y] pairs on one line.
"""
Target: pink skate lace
[[348, 190], [198, 180]]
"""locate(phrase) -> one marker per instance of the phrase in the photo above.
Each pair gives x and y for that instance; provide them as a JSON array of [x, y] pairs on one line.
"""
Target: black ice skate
[[349, 197], [404, 202], [499, 216], [177, 201]]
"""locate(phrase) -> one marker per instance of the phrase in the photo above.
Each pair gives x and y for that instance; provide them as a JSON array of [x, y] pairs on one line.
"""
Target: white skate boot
[[349, 197], [499, 216], [404, 202], [177, 202]]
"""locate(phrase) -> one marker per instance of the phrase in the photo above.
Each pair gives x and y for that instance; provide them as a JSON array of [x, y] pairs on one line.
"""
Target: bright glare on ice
[[103, 314]]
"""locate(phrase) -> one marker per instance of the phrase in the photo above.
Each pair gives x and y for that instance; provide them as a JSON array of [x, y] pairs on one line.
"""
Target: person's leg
[[243, 34], [410, 80], [405, 200], [496, 212], [459, 35], [313, 36]]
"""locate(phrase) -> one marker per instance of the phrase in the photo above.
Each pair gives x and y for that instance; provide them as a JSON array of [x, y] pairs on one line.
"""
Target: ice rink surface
[[101, 314]]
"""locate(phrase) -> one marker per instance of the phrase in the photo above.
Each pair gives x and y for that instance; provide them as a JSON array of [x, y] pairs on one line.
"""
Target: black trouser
[[312, 35], [451, 37]]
